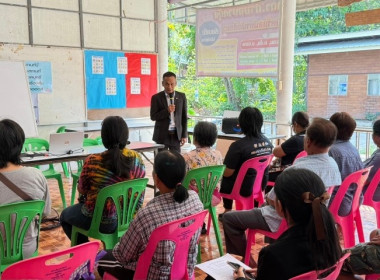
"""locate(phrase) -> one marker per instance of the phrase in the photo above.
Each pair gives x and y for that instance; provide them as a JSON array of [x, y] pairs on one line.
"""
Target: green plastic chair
[[86, 143], [99, 139], [62, 129], [207, 179], [38, 144], [127, 193], [90, 142], [15, 219]]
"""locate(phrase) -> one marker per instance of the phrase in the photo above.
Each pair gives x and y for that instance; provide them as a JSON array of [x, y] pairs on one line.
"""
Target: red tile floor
[[55, 239]]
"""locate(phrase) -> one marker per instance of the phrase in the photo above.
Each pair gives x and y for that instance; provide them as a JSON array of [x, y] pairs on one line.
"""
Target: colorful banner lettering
[[240, 41]]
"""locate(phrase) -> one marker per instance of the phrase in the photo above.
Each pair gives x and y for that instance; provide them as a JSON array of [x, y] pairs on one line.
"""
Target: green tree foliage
[[211, 96]]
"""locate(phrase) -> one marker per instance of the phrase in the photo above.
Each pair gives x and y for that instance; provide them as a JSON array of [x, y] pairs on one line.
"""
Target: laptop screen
[[66, 143]]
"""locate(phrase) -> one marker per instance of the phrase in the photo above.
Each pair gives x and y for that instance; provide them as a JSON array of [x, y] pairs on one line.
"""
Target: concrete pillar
[[162, 38], [286, 60]]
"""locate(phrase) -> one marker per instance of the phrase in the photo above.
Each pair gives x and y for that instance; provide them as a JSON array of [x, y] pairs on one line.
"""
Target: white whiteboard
[[16, 102]]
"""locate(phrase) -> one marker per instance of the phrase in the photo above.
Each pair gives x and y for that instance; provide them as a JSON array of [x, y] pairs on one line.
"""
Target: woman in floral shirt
[[205, 134], [115, 165]]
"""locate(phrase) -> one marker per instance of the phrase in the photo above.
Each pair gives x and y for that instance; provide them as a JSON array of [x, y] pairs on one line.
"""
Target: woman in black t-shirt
[[254, 144], [287, 151]]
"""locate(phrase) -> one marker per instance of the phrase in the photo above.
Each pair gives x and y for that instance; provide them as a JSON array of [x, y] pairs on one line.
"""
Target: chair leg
[[62, 191], [208, 224], [359, 227], [73, 189], [219, 241], [65, 169], [348, 235], [250, 240], [199, 257]]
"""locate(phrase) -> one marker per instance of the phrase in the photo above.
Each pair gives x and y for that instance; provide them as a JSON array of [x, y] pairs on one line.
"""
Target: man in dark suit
[[169, 109]]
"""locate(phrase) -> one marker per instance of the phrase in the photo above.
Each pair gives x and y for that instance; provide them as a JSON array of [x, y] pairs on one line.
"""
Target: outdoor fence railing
[[361, 139]]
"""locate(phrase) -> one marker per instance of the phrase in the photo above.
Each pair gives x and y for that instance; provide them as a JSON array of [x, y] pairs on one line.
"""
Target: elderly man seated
[[319, 137]]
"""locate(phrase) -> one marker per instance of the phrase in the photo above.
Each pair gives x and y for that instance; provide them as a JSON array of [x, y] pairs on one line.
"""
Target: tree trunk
[[231, 93]]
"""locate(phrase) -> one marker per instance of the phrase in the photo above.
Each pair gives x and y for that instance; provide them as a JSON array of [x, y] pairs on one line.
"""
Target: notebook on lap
[[66, 143]]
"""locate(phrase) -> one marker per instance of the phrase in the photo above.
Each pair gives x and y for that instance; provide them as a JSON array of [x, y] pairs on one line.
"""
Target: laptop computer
[[66, 143]]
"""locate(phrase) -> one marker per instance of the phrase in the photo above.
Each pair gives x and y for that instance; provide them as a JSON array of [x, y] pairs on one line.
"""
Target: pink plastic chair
[[246, 203], [251, 237], [313, 275], [347, 222], [54, 265], [372, 277], [300, 155], [368, 196], [178, 233]]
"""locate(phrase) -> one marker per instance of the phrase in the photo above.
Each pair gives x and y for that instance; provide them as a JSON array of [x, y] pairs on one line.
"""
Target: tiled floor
[[55, 239]]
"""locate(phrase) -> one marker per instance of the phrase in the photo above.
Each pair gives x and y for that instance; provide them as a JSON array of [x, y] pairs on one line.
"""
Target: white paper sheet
[[219, 269]]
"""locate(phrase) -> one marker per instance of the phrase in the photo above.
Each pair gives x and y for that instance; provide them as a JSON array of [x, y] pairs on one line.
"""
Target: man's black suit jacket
[[159, 113]]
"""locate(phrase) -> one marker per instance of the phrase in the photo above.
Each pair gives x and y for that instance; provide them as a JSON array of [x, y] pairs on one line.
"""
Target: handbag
[[14, 188]]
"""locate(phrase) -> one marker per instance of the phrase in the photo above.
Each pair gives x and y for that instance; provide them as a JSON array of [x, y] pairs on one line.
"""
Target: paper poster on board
[[39, 76], [145, 66], [107, 90], [110, 86], [122, 65], [135, 86], [97, 65], [128, 81]]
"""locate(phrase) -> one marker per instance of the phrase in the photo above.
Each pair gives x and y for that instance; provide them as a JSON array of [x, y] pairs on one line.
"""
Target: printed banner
[[239, 41]]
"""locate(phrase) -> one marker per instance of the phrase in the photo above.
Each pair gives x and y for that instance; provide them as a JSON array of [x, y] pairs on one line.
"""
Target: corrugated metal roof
[[346, 42], [184, 11]]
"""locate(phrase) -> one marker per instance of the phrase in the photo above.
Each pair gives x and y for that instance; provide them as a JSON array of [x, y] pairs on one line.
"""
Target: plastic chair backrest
[[313, 275], [300, 155], [100, 140], [369, 195], [180, 232], [15, 219], [90, 142], [353, 219], [127, 192], [207, 178], [36, 144], [61, 129], [54, 265], [259, 164], [359, 177]]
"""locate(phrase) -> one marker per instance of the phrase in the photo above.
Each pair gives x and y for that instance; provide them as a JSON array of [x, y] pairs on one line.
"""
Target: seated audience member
[[254, 144], [28, 179], [319, 137], [364, 258], [346, 156], [287, 151], [205, 134], [374, 160], [116, 164], [311, 242], [174, 202]]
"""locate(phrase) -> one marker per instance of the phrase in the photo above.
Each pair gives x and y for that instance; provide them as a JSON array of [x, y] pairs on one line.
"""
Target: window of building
[[338, 84], [373, 88]]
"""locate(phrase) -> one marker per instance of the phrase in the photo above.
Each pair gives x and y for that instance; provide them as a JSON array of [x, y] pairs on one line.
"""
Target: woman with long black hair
[[311, 242], [116, 164]]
